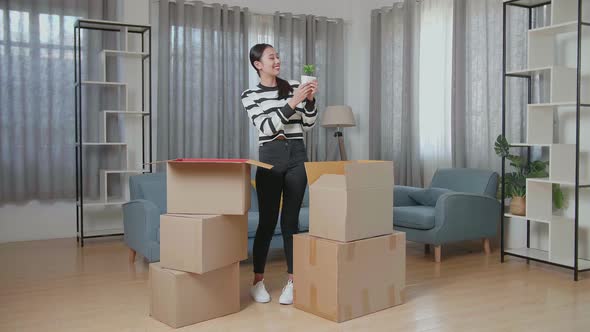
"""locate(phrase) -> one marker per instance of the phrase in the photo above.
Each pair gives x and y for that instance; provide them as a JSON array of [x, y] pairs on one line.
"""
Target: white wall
[[54, 220]]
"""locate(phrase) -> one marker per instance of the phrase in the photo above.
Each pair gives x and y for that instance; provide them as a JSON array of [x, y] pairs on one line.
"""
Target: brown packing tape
[[350, 249], [391, 291], [392, 243], [312, 251], [347, 312], [313, 297], [314, 307], [366, 302]]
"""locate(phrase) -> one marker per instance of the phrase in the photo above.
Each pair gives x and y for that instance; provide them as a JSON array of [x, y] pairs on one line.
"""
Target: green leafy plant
[[515, 182], [309, 69]]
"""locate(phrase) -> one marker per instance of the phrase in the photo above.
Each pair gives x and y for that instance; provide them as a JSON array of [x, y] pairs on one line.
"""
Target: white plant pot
[[306, 79]]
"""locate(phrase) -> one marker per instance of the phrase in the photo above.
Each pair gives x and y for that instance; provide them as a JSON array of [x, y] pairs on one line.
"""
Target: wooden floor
[[56, 286]]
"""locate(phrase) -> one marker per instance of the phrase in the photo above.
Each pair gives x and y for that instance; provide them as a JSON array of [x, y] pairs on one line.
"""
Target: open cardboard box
[[350, 200], [341, 281], [202, 243], [209, 186], [180, 298]]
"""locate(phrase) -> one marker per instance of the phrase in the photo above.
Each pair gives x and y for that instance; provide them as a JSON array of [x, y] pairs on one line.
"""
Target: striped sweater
[[274, 117]]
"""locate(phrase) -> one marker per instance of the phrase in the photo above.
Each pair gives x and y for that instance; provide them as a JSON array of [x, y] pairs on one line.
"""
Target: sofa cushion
[[428, 197], [415, 217]]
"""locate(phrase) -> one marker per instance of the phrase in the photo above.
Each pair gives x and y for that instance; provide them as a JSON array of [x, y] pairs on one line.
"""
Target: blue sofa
[[141, 216], [471, 211]]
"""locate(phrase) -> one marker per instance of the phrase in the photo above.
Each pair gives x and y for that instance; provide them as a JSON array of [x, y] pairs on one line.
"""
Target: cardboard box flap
[[369, 175], [316, 169], [158, 266], [214, 161], [331, 181], [193, 216]]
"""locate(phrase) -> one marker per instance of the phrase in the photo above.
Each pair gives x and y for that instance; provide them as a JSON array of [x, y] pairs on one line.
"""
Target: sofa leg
[[486, 246], [132, 254], [437, 253], [427, 248]]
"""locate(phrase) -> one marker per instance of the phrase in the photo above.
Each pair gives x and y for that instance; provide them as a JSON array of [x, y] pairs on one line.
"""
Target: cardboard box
[[202, 243], [209, 186], [350, 200], [179, 298], [341, 281]]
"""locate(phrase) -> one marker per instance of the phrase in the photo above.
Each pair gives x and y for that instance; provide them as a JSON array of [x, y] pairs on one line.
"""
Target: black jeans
[[289, 178]]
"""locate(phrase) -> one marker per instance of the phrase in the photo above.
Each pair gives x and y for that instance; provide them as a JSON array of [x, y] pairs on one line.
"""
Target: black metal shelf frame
[[145, 32], [518, 3]]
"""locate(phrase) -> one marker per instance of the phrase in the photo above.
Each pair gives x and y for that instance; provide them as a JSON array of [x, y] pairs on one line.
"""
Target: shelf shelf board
[[542, 255], [111, 25], [124, 53], [565, 183], [527, 3], [104, 143], [561, 104], [528, 72], [95, 202], [103, 232], [119, 84], [553, 219], [125, 112], [123, 171], [529, 145], [557, 28]]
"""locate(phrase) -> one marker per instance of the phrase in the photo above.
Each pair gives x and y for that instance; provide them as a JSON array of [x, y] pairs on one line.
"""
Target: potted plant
[[515, 182], [309, 71]]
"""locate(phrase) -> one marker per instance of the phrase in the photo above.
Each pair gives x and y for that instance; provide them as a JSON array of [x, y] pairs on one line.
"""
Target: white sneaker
[[287, 294], [259, 293]]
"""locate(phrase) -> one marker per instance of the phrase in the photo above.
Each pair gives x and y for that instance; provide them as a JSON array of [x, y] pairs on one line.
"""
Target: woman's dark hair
[[255, 55]]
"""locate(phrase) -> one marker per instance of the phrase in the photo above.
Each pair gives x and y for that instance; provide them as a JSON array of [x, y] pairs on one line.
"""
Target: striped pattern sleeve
[[309, 114], [270, 121]]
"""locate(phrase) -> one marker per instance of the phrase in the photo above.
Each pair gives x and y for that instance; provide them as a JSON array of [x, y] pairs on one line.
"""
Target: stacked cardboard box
[[203, 237], [351, 263]]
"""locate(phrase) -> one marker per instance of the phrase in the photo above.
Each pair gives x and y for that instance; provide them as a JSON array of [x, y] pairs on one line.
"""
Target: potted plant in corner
[[309, 71], [515, 182]]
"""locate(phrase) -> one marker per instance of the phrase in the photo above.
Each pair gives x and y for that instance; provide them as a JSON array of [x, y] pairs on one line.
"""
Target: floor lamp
[[339, 116]]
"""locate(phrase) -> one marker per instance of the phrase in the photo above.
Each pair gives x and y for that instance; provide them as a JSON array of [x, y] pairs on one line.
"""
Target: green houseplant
[[515, 182], [309, 71]]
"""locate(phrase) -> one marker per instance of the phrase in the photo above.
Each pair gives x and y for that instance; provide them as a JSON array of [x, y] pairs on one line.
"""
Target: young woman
[[281, 111]]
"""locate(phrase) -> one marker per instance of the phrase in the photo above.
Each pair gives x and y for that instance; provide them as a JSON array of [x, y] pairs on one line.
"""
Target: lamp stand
[[338, 134]]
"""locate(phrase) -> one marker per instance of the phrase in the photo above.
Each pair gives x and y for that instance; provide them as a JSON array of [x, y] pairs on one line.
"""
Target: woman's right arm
[[268, 122]]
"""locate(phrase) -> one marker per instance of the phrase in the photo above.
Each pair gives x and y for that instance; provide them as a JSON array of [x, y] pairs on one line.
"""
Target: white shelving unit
[[564, 159], [141, 53]]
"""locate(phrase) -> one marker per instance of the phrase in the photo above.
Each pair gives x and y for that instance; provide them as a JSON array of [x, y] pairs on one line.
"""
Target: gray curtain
[[307, 39], [477, 72], [202, 70], [476, 85], [37, 97], [393, 119]]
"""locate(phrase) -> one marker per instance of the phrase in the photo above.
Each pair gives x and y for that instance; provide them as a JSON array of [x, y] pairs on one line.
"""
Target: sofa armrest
[[465, 216], [401, 198], [141, 221]]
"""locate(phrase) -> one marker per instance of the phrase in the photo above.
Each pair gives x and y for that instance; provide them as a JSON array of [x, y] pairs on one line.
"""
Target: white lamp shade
[[338, 116]]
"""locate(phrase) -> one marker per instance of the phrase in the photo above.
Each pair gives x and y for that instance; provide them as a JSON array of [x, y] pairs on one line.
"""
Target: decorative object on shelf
[[515, 182], [309, 71], [339, 116], [518, 205]]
